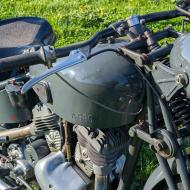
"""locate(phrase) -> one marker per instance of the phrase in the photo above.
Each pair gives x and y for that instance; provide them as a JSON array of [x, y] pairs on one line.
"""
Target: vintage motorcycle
[[76, 117]]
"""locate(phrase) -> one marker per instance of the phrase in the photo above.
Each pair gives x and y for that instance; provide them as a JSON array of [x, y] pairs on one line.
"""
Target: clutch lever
[[75, 57]]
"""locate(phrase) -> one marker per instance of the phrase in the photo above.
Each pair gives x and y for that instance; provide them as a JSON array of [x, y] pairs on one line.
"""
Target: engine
[[29, 145], [29, 148], [23, 146], [96, 153]]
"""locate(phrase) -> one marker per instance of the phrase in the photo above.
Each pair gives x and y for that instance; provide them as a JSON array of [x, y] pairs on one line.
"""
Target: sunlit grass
[[77, 20]]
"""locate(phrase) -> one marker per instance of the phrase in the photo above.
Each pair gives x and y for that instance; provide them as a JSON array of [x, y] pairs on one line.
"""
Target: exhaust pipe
[[38, 127], [14, 134]]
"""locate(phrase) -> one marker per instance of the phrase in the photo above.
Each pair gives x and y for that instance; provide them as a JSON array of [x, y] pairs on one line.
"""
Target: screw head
[[180, 79]]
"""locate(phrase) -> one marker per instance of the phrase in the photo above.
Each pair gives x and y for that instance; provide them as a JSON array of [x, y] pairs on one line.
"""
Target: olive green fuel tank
[[103, 92]]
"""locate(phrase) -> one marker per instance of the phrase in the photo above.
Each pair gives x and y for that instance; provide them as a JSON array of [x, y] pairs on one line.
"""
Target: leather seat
[[18, 34]]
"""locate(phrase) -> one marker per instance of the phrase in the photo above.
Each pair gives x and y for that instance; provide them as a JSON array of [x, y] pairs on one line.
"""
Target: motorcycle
[[76, 117]]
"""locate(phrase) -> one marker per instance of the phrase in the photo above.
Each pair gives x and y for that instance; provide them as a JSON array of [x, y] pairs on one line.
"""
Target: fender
[[157, 176]]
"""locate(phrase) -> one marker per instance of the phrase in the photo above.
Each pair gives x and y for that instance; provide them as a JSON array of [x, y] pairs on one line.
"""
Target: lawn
[[76, 20]]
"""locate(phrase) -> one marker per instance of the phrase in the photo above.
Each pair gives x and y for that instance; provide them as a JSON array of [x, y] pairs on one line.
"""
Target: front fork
[[135, 145]]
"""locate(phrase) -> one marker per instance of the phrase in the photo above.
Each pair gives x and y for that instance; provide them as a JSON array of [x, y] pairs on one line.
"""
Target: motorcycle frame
[[135, 146]]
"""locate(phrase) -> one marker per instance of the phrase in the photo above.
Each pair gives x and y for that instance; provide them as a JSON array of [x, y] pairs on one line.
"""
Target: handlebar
[[64, 51], [23, 60], [39, 57], [165, 15]]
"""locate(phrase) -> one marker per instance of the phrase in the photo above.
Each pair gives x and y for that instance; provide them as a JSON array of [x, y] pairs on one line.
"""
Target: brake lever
[[75, 57]]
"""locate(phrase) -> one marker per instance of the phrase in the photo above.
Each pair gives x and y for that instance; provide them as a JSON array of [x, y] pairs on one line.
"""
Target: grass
[[76, 20]]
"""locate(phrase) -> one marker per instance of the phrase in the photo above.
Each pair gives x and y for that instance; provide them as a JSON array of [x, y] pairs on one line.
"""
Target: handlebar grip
[[22, 60], [161, 16]]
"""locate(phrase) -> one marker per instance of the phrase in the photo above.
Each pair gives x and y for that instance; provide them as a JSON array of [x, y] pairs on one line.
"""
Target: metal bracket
[[49, 53], [140, 59], [161, 140], [168, 80]]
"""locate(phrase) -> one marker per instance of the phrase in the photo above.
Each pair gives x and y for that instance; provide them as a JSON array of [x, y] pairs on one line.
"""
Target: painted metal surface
[[180, 56], [103, 92], [10, 113], [53, 173]]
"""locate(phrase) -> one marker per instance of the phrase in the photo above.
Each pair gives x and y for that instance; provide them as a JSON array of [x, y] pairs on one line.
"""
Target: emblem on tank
[[83, 117]]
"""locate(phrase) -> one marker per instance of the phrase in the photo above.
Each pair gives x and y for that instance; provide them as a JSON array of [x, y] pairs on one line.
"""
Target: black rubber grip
[[161, 16], [22, 60]]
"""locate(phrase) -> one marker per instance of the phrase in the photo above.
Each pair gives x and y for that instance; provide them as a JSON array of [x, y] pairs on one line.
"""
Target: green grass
[[77, 20]]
